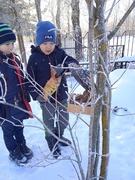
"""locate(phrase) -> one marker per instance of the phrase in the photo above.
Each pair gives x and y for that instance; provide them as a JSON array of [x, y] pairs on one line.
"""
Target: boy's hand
[[58, 70], [82, 76], [40, 99]]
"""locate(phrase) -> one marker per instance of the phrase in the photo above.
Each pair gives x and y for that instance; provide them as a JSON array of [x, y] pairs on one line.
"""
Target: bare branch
[[121, 21]]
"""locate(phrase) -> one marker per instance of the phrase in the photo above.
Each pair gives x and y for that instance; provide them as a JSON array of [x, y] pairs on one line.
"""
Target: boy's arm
[[30, 79], [81, 75]]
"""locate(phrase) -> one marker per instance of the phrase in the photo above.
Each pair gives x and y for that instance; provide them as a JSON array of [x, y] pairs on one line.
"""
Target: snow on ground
[[122, 141]]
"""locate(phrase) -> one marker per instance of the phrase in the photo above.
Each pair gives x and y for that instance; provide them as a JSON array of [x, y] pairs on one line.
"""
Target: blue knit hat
[[46, 32], [6, 34]]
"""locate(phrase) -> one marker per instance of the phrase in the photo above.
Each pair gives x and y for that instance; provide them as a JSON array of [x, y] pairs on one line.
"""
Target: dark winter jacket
[[39, 69], [16, 92]]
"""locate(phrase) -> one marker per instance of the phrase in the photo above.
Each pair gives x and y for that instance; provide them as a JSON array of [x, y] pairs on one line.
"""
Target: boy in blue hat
[[50, 88], [13, 92]]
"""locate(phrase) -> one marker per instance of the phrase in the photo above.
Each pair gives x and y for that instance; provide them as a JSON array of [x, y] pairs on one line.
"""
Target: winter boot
[[59, 133], [56, 152], [62, 138], [53, 146], [66, 140], [25, 150], [18, 157]]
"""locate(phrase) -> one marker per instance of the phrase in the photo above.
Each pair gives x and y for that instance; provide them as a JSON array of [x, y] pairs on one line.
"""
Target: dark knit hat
[[46, 32], [6, 34]]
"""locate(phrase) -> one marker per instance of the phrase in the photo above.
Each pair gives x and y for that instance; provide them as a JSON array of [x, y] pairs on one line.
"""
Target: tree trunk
[[105, 139], [38, 9], [90, 52], [22, 49], [58, 14], [100, 84], [100, 32], [20, 37], [77, 29]]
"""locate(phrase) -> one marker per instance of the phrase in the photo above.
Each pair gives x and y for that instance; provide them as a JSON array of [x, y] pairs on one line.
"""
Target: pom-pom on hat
[[46, 32], [6, 34]]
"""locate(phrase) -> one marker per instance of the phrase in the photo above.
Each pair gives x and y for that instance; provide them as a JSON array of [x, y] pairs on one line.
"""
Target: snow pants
[[55, 117], [12, 126], [12, 133]]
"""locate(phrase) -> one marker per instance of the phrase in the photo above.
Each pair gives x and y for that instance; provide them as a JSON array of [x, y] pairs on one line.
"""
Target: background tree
[[58, 15], [122, 20], [19, 34], [38, 9], [77, 28], [17, 16]]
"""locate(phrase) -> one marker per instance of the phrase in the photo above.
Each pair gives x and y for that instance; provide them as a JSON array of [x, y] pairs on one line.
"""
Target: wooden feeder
[[82, 99]]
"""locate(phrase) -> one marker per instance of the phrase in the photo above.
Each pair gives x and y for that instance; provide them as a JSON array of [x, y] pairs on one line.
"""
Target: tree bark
[[105, 139], [20, 37], [101, 107], [77, 29], [91, 157], [58, 14], [100, 33], [38, 9]]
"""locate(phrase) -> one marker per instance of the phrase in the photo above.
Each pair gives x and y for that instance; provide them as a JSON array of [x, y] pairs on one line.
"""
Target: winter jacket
[[39, 69], [16, 92]]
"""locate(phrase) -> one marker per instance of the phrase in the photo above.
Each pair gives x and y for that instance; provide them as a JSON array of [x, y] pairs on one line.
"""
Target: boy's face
[[47, 47], [7, 48]]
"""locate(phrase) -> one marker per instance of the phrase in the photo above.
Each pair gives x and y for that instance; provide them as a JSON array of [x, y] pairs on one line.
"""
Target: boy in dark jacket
[[12, 91], [49, 84]]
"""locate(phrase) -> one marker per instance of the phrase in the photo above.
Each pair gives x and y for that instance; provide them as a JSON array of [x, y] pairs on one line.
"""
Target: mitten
[[52, 84], [59, 70], [82, 76], [40, 99]]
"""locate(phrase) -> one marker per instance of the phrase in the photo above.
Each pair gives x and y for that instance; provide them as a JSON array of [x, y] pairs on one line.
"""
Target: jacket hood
[[34, 48]]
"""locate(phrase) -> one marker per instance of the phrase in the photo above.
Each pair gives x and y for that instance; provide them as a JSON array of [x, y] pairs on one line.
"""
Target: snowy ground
[[122, 141]]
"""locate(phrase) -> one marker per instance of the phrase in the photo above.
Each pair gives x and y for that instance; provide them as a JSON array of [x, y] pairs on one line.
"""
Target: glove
[[58, 70], [82, 76], [52, 84], [40, 99]]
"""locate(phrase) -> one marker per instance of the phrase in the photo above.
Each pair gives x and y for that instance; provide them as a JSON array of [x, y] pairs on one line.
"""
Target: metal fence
[[119, 46], [126, 41]]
